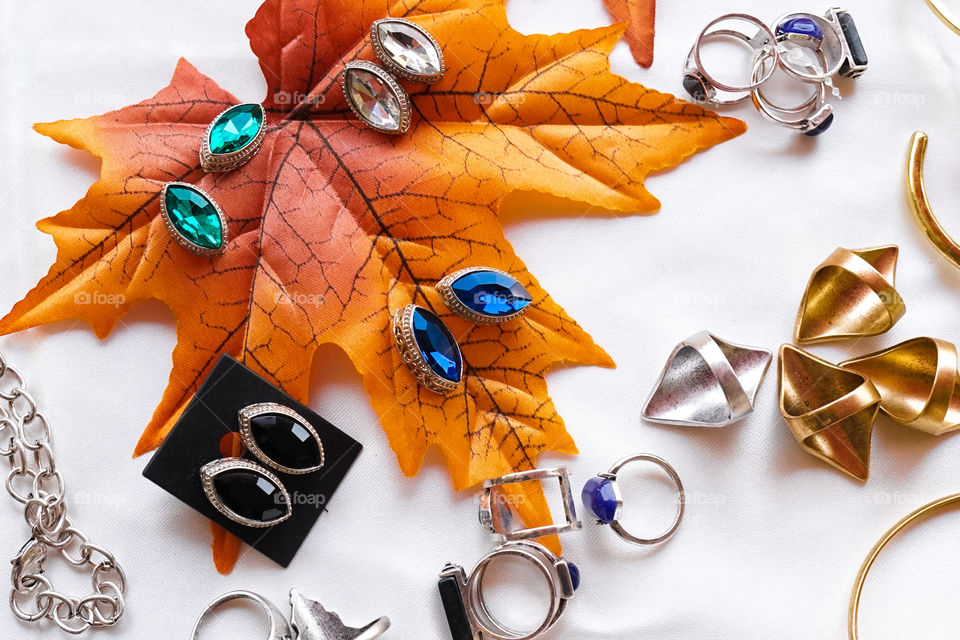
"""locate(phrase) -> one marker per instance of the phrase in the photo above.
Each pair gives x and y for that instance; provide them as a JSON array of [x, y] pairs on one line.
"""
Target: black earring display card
[[195, 441]]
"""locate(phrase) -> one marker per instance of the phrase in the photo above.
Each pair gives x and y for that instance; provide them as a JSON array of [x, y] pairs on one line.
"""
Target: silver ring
[[496, 512], [834, 34], [279, 629], [602, 498], [815, 116], [468, 600], [765, 43]]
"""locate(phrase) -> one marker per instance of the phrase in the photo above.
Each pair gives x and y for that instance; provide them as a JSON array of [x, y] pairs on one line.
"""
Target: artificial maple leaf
[[333, 226], [640, 17]]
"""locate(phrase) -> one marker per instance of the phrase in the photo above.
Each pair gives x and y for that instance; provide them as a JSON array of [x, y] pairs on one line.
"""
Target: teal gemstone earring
[[233, 138], [194, 219]]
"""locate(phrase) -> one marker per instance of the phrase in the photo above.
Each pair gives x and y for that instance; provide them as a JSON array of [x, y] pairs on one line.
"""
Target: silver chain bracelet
[[34, 482]]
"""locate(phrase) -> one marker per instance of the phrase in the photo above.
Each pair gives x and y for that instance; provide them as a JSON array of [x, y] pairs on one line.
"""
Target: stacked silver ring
[[809, 48]]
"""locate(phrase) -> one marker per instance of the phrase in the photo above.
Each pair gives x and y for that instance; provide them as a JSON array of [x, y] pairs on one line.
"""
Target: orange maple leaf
[[333, 226], [639, 16]]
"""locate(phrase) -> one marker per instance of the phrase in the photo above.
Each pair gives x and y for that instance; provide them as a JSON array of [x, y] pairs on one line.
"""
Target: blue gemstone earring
[[484, 295], [428, 348]]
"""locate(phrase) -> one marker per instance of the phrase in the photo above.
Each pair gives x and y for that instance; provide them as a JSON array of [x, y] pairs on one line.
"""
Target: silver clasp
[[28, 563]]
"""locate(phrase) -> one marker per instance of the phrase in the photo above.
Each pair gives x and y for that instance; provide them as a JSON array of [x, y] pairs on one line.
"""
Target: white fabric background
[[772, 539]]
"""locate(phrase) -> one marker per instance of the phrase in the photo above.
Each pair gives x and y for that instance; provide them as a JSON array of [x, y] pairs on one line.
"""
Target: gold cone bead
[[850, 294], [829, 409], [918, 382]]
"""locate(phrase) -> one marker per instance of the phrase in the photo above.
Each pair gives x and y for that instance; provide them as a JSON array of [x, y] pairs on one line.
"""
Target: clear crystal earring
[[372, 92]]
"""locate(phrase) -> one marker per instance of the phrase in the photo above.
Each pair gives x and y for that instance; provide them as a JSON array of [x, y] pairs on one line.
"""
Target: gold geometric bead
[[850, 294], [918, 382], [829, 409]]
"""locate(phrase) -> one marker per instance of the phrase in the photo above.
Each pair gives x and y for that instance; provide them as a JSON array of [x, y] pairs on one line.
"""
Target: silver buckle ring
[[497, 513], [464, 602], [765, 44], [602, 497]]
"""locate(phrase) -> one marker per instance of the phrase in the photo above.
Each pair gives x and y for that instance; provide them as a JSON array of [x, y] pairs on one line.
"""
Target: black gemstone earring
[[281, 438], [248, 493], [245, 492]]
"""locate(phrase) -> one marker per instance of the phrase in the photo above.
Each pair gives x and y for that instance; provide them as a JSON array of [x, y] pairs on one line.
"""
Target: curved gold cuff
[[921, 206], [829, 409], [918, 382], [853, 614], [944, 13], [850, 294]]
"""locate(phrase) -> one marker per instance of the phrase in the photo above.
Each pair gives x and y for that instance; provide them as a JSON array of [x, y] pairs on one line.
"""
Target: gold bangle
[[949, 17], [919, 514], [921, 206]]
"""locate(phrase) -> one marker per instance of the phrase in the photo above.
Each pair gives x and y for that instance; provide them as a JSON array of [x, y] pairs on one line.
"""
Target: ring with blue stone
[[834, 36], [602, 498], [233, 137], [484, 295], [811, 118], [428, 349], [465, 605]]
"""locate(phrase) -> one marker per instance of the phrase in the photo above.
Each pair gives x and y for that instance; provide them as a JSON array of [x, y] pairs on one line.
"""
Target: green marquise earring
[[194, 219], [233, 137]]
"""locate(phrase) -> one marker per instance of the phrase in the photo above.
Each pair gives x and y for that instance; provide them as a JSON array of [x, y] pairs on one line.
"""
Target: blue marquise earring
[[233, 138], [194, 219], [484, 295], [428, 348]]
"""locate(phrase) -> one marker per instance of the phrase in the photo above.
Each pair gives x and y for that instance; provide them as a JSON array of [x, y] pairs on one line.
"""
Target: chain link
[[35, 482]]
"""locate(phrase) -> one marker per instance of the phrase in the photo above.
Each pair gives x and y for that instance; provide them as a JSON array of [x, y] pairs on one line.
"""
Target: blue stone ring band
[[602, 498], [834, 37], [811, 118]]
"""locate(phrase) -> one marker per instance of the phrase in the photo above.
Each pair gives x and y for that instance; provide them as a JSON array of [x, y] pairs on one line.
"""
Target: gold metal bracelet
[[919, 514], [921, 205], [944, 13]]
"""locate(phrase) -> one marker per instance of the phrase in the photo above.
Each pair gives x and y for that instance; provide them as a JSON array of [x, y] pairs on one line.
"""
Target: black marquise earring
[[281, 438], [247, 492]]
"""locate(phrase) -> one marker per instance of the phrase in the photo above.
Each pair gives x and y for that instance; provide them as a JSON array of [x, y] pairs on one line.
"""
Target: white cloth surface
[[772, 539]]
